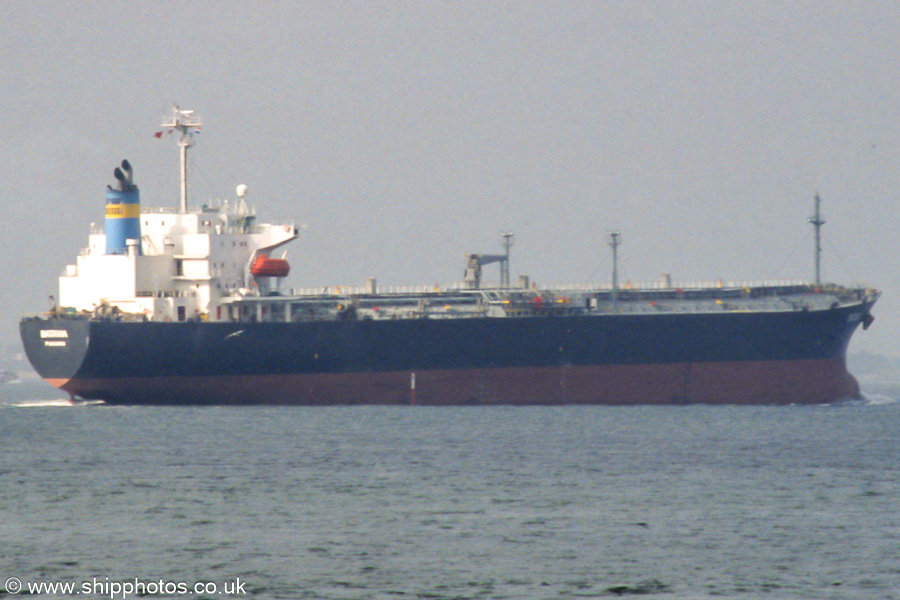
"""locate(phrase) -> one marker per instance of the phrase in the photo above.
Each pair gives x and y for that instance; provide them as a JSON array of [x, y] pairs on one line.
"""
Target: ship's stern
[[56, 347]]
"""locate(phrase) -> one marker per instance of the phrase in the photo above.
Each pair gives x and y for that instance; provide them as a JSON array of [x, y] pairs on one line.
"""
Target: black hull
[[729, 357]]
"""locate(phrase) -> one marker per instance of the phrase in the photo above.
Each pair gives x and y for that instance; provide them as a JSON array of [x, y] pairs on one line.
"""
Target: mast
[[187, 124], [504, 264], [817, 221], [614, 244]]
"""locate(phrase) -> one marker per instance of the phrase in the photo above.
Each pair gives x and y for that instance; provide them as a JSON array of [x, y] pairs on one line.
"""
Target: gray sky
[[405, 135]]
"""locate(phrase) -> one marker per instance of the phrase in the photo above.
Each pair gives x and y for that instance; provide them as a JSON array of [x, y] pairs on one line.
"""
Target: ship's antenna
[[504, 265], [817, 221], [614, 244], [187, 123]]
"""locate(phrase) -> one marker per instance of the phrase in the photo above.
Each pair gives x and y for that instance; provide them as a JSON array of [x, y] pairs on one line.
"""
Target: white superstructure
[[187, 264]]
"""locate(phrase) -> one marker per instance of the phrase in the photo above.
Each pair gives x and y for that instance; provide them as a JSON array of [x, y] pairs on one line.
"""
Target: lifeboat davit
[[264, 266]]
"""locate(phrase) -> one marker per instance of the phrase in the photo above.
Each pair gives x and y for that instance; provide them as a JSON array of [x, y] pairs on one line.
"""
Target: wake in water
[[54, 402], [875, 399]]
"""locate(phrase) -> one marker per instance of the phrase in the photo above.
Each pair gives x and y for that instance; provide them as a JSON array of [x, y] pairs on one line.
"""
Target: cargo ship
[[188, 305]]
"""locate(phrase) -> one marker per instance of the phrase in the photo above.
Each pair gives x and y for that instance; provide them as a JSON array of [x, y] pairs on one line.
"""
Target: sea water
[[449, 503]]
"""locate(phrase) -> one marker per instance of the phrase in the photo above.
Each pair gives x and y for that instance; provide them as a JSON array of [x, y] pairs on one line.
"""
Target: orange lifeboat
[[264, 266]]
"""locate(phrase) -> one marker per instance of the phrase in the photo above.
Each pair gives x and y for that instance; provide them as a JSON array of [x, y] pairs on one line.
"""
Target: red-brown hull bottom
[[743, 382]]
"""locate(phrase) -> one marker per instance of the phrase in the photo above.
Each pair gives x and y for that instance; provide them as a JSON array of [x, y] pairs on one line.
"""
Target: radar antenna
[[187, 123]]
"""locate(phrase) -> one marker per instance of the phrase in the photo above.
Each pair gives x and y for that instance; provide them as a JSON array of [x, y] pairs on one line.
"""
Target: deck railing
[[351, 290]]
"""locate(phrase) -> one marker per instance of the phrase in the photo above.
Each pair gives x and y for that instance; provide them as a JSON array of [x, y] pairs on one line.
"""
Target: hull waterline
[[762, 358]]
